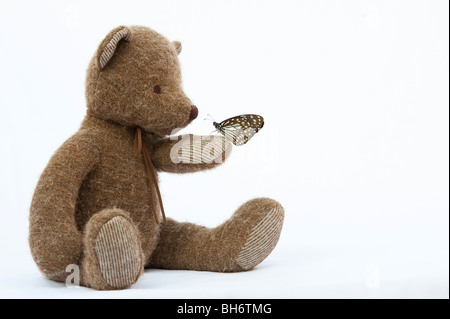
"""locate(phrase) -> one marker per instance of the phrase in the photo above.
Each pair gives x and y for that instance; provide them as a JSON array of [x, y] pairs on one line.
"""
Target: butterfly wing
[[240, 129]]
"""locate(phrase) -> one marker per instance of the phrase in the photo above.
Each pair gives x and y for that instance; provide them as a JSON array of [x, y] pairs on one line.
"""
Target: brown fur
[[94, 176]]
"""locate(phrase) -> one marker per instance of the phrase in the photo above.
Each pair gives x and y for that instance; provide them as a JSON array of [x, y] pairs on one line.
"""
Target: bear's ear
[[109, 45], [177, 45]]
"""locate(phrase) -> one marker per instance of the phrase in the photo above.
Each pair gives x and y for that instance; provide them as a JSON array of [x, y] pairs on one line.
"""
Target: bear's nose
[[194, 112]]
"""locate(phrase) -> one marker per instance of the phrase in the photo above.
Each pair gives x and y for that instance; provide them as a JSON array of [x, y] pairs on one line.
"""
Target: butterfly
[[240, 129]]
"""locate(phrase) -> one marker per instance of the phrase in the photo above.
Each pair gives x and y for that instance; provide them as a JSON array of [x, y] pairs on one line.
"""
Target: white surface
[[355, 146]]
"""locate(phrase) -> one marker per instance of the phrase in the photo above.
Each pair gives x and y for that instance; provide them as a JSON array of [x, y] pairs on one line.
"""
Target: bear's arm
[[189, 153], [53, 230]]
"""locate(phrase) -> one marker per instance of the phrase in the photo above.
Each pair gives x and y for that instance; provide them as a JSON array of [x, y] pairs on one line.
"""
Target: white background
[[355, 146]]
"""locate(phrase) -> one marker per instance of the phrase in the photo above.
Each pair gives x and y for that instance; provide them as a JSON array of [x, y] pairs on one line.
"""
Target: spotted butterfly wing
[[240, 129]]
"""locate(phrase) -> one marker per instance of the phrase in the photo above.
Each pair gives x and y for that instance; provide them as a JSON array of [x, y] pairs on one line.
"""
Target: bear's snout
[[194, 112]]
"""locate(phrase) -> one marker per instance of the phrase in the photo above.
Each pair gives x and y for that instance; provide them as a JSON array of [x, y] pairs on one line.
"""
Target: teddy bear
[[97, 205]]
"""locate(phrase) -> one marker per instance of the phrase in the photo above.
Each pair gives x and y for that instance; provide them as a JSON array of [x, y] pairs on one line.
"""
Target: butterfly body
[[240, 129]]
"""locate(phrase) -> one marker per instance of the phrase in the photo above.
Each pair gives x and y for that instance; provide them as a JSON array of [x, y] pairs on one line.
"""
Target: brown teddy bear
[[97, 204]]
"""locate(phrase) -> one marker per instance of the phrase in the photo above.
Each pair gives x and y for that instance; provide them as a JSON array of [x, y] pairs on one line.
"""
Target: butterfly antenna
[[209, 117]]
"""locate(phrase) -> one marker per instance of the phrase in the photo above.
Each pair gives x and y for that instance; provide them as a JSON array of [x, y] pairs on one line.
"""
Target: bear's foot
[[114, 258], [263, 237], [253, 232], [239, 244]]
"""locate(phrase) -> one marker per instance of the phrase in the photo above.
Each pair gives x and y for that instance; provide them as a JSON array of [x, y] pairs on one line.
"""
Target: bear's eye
[[157, 89]]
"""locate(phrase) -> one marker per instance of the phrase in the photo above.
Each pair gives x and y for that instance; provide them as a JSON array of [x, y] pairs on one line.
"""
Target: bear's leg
[[239, 244], [113, 255]]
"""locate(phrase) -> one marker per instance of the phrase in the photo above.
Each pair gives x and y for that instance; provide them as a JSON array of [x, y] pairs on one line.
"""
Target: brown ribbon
[[140, 147]]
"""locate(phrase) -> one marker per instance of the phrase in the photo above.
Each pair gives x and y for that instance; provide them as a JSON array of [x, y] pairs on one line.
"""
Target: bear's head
[[134, 79]]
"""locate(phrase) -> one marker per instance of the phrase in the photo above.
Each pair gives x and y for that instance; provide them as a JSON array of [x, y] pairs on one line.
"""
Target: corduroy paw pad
[[262, 239], [118, 252]]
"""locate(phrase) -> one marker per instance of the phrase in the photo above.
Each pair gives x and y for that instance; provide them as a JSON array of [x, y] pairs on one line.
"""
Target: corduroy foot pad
[[115, 256], [262, 239], [117, 249]]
